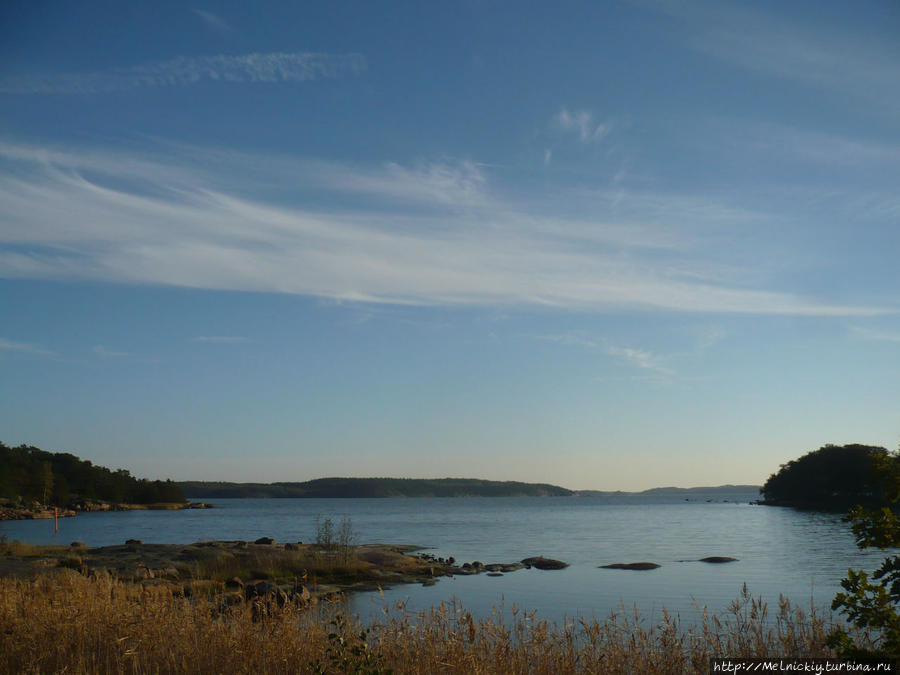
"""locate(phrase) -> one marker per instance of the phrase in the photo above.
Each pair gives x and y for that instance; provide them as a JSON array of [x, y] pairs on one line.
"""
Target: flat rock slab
[[542, 563], [718, 559], [630, 566]]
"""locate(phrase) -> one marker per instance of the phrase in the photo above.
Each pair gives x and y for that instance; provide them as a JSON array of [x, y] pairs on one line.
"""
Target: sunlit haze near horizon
[[607, 246]]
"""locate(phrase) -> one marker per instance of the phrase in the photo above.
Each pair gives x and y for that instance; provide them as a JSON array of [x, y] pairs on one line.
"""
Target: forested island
[[834, 478], [30, 476], [375, 487]]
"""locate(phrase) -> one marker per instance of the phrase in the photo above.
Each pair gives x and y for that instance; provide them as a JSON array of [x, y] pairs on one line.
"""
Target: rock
[[291, 547], [630, 566], [235, 581], [265, 541], [133, 542], [495, 574], [542, 563], [718, 559], [77, 544], [504, 567]]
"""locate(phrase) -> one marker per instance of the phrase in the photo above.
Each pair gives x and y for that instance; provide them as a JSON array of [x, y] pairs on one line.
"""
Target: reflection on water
[[781, 551]]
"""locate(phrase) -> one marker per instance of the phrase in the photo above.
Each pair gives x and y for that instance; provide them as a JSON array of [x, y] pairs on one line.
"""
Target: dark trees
[[31, 474], [834, 477]]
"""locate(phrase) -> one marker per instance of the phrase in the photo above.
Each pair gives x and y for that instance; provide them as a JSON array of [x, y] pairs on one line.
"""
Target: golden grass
[[69, 623]]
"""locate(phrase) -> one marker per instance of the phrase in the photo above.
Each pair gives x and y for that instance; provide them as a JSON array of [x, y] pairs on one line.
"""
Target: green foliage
[[31, 474], [834, 478], [873, 603]]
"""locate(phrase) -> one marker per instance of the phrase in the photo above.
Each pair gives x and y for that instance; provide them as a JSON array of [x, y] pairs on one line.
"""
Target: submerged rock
[[630, 566], [542, 563], [718, 559]]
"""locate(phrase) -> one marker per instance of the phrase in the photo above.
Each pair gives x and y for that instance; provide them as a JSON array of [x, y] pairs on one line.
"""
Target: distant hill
[[375, 487], [720, 490]]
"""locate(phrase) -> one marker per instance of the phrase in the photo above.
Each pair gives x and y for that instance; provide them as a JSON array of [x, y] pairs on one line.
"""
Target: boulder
[[631, 566], [291, 547], [265, 541], [542, 563], [718, 559], [133, 542]]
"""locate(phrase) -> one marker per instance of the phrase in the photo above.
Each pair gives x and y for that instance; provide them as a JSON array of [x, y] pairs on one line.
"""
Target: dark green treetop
[[834, 477]]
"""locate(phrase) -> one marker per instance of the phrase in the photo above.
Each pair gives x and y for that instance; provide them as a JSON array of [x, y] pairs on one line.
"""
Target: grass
[[66, 622], [274, 564]]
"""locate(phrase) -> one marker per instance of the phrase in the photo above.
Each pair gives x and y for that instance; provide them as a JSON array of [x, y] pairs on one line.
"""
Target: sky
[[611, 245]]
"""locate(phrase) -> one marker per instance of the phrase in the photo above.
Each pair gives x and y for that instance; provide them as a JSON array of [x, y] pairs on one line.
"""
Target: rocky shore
[[241, 570], [37, 511]]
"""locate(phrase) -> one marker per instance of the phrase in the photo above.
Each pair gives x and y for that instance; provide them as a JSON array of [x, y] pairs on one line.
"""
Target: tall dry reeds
[[69, 623]]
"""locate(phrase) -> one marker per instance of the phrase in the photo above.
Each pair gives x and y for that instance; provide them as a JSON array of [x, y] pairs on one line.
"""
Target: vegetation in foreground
[[67, 622]]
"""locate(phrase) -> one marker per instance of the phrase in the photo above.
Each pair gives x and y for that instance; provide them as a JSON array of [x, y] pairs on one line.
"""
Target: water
[[802, 555]]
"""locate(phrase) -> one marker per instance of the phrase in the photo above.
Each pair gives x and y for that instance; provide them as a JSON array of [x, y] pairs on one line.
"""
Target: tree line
[[375, 487], [29, 474]]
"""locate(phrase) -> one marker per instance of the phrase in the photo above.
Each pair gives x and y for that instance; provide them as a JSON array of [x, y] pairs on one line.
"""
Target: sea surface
[[800, 554]]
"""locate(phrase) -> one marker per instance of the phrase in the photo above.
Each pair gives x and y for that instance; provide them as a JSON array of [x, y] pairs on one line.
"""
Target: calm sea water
[[802, 555]]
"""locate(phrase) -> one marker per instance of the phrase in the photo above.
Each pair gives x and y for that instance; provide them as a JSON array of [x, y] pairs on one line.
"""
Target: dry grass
[[69, 623]]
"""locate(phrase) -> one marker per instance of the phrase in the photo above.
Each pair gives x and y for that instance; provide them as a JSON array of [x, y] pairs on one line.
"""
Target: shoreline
[[246, 570], [41, 512]]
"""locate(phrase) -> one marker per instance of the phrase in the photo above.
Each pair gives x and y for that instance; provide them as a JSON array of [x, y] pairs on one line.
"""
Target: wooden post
[[55, 520]]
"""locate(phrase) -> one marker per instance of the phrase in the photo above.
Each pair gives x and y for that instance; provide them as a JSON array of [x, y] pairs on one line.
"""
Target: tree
[[874, 602], [46, 481], [834, 477]]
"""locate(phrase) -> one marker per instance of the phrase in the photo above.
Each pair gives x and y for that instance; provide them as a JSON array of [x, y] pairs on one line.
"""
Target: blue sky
[[605, 245]]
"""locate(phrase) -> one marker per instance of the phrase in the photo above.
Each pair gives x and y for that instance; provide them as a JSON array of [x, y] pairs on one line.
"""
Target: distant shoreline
[[343, 488], [348, 488]]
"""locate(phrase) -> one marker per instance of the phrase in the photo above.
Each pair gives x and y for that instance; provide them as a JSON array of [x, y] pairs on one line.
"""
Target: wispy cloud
[[257, 67], [214, 22], [102, 351], [221, 339], [836, 61], [878, 335], [582, 123], [24, 348], [640, 358], [99, 215], [575, 338]]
